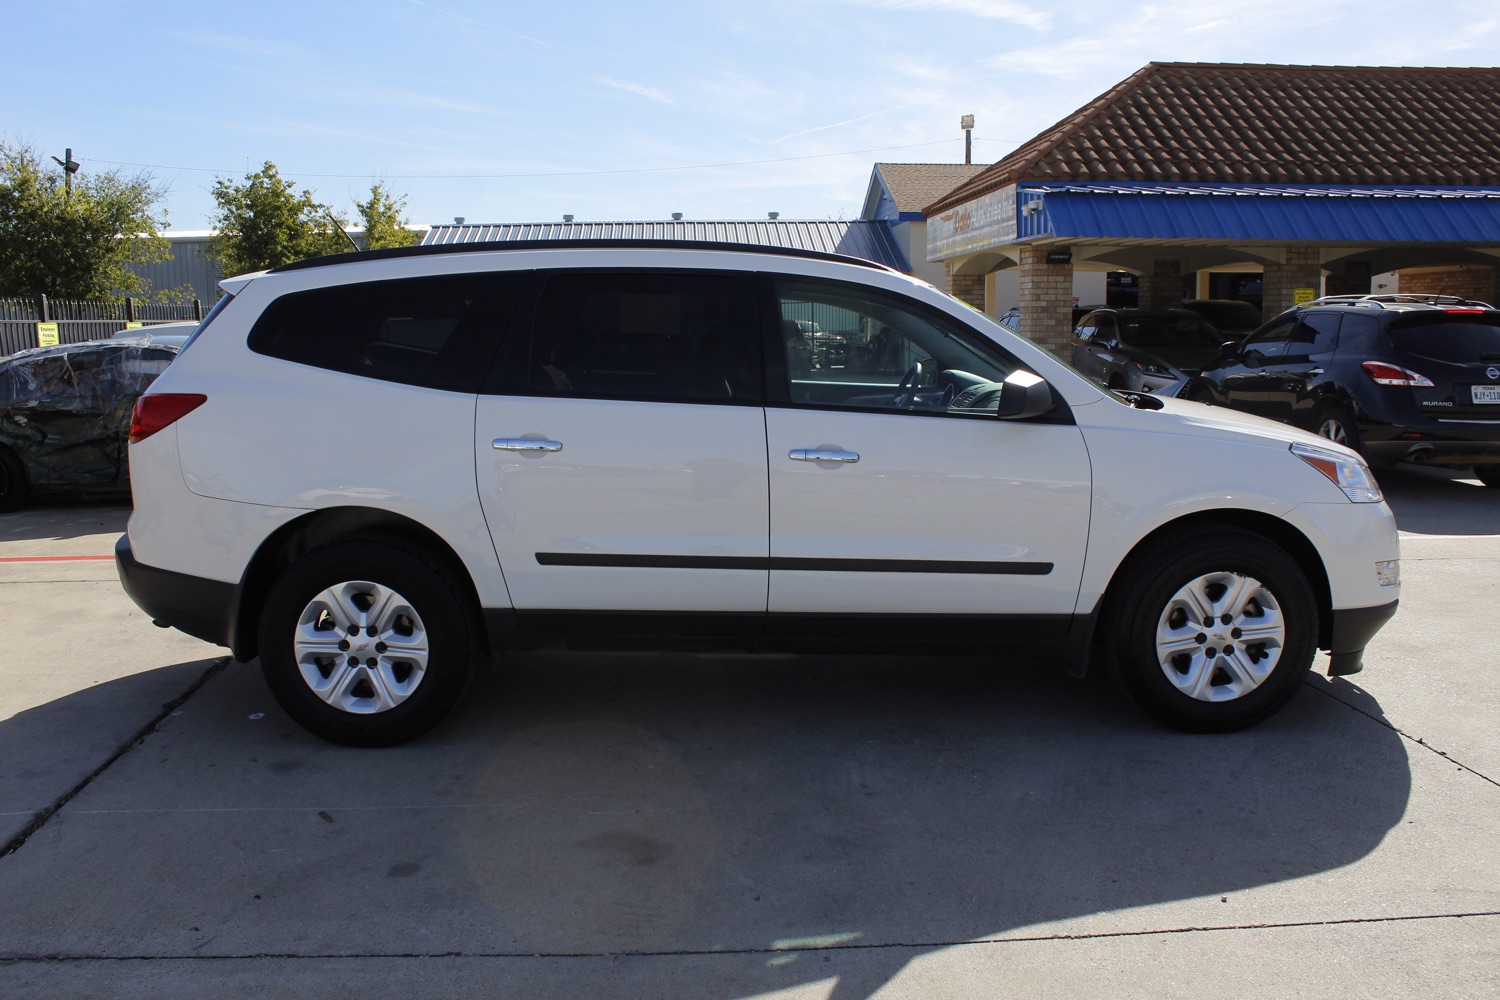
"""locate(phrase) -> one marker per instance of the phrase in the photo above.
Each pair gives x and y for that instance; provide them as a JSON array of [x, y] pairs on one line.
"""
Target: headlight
[[1349, 473]]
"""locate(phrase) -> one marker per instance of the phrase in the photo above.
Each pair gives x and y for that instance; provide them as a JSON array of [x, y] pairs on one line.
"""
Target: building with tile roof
[[1315, 176], [897, 195]]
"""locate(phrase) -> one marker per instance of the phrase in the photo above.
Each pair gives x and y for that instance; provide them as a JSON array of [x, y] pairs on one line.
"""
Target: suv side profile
[[1411, 378], [371, 469]]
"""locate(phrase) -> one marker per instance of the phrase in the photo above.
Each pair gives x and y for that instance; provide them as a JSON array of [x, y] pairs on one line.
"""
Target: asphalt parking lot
[[647, 825]]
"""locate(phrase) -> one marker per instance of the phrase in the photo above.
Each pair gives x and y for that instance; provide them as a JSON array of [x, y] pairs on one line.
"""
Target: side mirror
[[1024, 395], [1228, 350]]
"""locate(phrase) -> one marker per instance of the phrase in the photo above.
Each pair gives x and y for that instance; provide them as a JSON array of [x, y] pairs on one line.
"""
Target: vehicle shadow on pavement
[[1431, 500], [759, 823], [63, 520]]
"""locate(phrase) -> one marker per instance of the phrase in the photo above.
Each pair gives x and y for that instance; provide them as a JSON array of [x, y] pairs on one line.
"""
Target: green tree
[[76, 245], [382, 219], [265, 223]]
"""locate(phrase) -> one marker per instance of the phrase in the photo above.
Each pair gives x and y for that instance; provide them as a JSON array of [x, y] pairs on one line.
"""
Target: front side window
[[439, 332], [1270, 341], [855, 348]]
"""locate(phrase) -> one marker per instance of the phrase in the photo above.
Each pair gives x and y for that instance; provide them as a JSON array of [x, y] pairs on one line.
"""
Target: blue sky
[[521, 112]]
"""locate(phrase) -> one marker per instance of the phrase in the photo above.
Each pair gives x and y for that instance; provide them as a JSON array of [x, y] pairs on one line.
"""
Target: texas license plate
[[1486, 393]]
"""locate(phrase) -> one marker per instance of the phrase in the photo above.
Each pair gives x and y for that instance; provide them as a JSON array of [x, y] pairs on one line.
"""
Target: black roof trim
[[429, 250]]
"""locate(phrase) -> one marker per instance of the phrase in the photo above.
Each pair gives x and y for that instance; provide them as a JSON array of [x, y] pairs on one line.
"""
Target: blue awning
[[1323, 214]]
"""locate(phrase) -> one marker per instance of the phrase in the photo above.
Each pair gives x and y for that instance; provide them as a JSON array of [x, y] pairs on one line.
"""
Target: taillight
[[152, 413], [1384, 374], [1466, 312]]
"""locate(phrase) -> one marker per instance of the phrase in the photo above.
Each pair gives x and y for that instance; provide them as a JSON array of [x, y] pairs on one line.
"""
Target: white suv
[[371, 468]]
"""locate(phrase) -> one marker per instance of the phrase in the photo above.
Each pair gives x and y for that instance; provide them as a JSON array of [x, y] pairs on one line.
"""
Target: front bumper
[[204, 609], [1350, 631]]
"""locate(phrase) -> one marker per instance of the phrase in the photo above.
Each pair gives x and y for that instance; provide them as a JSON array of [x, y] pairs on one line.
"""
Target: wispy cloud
[[244, 45], [851, 121], [478, 24], [639, 89], [999, 10]]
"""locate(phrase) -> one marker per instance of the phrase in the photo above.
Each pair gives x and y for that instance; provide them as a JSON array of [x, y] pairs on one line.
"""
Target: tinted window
[[1316, 333], [1271, 341], [641, 335], [882, 352], [438, 332], [1450, 337]]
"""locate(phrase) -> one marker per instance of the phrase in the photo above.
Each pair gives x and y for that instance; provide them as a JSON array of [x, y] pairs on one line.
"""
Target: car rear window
[[1452, 337], [439, 332]]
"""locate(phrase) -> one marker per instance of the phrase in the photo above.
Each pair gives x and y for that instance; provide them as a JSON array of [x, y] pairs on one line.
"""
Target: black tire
[[1337, 425], [384, 698], [1489, 475], [12, 481], [1202, 689]]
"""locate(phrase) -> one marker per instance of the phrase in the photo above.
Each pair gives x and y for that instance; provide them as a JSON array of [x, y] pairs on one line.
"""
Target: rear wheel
[[366, 642], [12, 481], [1212, 629], [1337, 425]]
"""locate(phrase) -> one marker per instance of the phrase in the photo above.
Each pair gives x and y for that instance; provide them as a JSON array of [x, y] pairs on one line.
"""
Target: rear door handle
[[822, 455], [526, 444]]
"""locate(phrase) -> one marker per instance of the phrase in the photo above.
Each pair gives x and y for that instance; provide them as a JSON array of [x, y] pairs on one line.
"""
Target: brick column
[[969, 287], [1301, 270], [1161, 287], [1046, 299]]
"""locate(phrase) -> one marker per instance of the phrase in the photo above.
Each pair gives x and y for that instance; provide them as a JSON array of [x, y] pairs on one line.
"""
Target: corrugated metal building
[[868, 239]]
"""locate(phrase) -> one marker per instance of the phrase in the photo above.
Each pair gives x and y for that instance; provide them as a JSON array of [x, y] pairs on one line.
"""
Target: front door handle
[[526, 444], [822, 455]]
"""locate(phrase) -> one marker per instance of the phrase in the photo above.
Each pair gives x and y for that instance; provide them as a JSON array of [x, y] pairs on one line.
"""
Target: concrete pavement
[[647, 825]]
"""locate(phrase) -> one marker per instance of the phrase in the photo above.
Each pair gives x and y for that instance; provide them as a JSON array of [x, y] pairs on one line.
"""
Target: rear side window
[[439, 332], [1452, 337], [647, 335], [1317, 333]]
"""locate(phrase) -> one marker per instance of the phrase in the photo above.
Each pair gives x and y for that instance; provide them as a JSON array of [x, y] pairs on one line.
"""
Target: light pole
[[70, 167], [967, 124]]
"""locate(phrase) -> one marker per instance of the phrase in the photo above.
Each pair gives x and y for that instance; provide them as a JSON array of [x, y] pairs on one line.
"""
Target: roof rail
[[1397, 299], [518, 245]]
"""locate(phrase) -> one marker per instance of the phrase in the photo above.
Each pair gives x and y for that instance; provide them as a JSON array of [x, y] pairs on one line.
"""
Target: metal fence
[[78, 320]]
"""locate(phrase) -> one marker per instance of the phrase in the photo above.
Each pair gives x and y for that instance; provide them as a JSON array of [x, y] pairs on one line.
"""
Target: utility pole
[[70, 167], [967, 124]]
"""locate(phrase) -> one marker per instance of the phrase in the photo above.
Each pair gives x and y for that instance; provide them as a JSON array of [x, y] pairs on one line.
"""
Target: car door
[[892, 498], [620, 447], [1288, 379], [1248, 381]]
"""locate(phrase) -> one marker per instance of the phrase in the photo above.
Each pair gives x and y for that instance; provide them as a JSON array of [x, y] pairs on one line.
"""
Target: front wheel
[[1212, 629], [366, 642]]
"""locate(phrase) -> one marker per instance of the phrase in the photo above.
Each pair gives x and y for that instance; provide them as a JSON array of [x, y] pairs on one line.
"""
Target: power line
[[556, 173]]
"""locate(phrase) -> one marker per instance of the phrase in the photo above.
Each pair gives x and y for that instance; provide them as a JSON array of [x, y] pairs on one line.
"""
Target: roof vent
[[567, 218], [676, 216], [458, 220], [773, 215]]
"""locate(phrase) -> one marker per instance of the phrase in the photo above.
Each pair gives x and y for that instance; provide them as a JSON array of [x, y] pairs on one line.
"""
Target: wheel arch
[[1273, 528], [319, 528]]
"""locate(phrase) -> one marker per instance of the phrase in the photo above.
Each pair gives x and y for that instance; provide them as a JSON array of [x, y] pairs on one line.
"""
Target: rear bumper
[[204, 609], [1350, 631]]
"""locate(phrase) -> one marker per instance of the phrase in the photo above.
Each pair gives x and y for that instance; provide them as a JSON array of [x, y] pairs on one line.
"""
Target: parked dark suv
[[1396, 377]]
